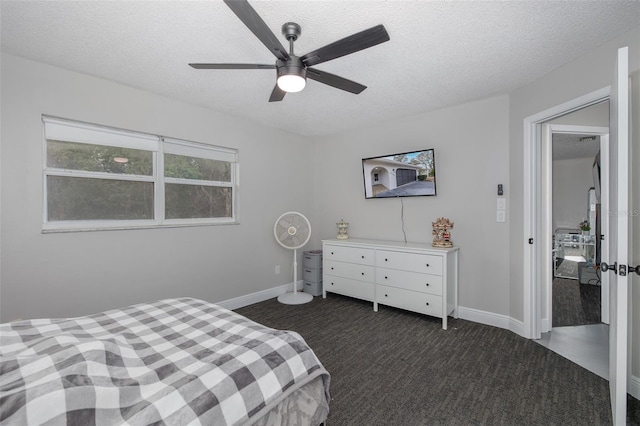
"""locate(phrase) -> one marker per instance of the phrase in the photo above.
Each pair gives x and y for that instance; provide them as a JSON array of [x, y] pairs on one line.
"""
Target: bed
[[173, 362]]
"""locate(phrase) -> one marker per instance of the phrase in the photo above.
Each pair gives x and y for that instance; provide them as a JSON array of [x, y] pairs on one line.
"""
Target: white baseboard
[[517, 327], [634, 387], [490, 318], [259, 296]]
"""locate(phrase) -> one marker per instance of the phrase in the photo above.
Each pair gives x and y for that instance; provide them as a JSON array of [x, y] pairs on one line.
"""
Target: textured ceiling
[[569, 146], [440, 53]]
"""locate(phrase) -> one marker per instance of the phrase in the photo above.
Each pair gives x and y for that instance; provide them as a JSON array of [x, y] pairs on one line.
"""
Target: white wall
[[572, 179], [471, 156], [586, 74], [68, 274]]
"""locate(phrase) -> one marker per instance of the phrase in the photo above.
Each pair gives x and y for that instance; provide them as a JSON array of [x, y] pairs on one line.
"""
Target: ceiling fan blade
[[232, 66], [353, 43], [277, 94], [254, 22], [335, 81]]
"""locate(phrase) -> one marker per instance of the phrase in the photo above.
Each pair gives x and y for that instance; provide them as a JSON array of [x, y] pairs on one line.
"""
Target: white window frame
[[72, 131]]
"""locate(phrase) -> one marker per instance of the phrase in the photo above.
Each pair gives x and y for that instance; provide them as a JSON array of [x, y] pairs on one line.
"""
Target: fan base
[[295, 298]]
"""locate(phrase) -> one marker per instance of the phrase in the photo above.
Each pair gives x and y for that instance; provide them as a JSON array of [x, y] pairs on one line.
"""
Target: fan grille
[[292, 230]]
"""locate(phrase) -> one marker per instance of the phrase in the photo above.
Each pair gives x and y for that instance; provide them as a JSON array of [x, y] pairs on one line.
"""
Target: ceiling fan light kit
[[292, 75], [292, 71]]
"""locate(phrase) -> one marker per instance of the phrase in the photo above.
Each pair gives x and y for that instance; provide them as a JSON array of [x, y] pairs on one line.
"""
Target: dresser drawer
[[424, 283], [349, 254], [409, 262], [410, 300], [349, 270], [348, 287]]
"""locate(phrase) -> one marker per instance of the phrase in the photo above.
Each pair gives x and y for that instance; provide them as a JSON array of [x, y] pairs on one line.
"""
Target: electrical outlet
[[501, 216], [277, 269]]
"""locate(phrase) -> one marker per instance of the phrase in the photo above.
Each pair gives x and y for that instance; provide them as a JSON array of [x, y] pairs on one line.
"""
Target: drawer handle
[[386, 260], [386, 278], [332, 268], [331, 252], [427, 265], [386, 295], [307, 257], [427, 284], [362, 273], [331, 283], [307, 270], [427, 303], [363, 257]]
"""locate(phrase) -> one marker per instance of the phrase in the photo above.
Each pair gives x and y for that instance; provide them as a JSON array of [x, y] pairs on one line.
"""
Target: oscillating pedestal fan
[[292, 231]]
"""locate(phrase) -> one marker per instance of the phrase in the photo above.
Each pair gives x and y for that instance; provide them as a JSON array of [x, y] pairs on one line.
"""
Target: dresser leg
[[375, 306]]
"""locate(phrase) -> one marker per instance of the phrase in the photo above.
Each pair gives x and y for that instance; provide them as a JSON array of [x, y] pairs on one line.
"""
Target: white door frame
[[532, 193], [546, 210]]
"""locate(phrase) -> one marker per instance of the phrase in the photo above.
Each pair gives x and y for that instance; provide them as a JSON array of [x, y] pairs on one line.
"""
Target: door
[[405, 176], [618, 236]]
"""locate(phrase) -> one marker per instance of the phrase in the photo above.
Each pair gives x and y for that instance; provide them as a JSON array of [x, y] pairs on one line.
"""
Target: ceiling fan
[[292, 71]]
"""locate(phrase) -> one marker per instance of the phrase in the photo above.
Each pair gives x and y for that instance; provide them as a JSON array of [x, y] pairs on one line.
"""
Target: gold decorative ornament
[[441, 234], [342, 230]]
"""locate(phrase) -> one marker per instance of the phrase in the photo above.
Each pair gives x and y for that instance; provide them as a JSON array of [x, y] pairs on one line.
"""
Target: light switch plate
[[501, 216], [501, 204]]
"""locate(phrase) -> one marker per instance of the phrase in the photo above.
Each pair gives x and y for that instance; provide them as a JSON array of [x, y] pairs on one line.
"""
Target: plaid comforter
[[176, 361]]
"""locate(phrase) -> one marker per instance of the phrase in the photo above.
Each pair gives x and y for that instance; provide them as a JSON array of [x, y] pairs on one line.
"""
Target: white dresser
[[411, 276]]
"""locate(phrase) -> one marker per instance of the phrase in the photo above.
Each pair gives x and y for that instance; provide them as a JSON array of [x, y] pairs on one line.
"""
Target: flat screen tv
[[406, 174]]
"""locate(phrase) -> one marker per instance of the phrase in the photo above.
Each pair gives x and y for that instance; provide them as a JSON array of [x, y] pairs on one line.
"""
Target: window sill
[[66, 229]]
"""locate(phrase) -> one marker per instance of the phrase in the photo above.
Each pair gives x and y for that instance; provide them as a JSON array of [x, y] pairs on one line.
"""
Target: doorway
[[538, 264], [537, 261], [574, 176], [576, 225], [571, 164]]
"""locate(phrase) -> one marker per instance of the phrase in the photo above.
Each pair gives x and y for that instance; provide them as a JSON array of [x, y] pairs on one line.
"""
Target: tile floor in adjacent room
[[586, 345]]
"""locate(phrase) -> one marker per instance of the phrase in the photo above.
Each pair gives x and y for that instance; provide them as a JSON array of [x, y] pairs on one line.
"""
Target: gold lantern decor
[[342, 230]]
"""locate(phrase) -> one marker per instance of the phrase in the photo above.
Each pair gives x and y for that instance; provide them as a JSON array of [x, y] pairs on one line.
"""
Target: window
[[101, 178]]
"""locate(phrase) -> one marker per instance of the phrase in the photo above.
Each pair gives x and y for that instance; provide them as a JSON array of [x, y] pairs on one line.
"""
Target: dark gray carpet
[[398, 368], [574, 303]]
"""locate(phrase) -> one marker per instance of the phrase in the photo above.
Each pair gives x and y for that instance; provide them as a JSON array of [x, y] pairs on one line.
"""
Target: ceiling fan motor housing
[[292, 66]]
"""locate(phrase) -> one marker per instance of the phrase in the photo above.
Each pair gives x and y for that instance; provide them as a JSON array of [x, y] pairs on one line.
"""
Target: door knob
[[605, 267], [635, 269]]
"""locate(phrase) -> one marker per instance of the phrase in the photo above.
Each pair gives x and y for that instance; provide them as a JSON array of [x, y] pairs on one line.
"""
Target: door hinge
[[530, 240]]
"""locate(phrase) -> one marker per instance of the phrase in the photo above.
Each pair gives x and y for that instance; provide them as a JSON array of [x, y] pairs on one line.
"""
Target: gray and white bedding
[[175, 362]]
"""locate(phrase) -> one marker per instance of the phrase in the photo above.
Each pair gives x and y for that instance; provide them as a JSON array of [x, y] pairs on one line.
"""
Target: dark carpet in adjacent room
[[574, 303], [395, 367]]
